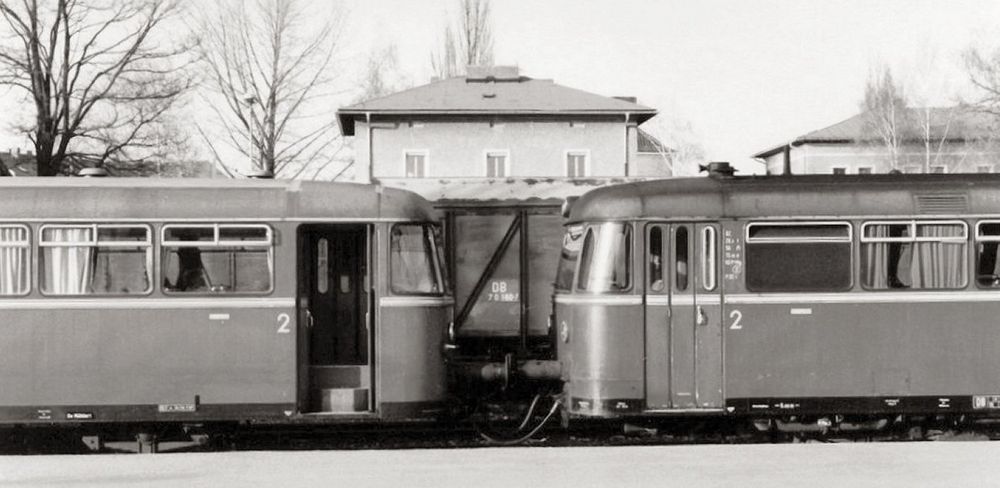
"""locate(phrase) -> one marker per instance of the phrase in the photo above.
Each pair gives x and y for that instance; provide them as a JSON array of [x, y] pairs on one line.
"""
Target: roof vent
[[941, 203], [259, 174], [489, 95], [92, 172], [717, 169], [492, 73]]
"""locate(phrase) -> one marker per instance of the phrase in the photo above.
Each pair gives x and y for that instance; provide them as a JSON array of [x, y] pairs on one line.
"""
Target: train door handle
[[309, 319], [702, 318]]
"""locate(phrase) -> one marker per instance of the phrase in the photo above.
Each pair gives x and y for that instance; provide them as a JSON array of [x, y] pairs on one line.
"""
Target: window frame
[[914, 239], [843, 170], [871, 170], [506, 162], [418, 152], [849, 240], [438, 265], [217, 243], [977, 238], [96, 242], [28, 268], [709, 257], [586, 162], [629, 248]]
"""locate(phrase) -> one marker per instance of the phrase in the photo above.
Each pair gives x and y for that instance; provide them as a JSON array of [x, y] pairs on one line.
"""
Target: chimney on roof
[[627, 99], [492, 73]]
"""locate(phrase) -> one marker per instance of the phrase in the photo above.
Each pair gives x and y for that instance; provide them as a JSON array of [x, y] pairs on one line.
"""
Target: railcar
[[167, 302], [783, 298]]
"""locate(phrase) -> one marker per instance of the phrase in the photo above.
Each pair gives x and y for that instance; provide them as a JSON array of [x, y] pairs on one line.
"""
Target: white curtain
[[68, 269], [13, 262]]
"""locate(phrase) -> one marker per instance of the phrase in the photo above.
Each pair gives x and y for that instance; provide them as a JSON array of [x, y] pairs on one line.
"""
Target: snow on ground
[[924, 464]]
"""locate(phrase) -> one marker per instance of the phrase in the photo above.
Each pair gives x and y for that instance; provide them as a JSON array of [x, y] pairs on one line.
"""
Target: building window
[[217, 258], [864, 170], [912, 169], [95, 259], [577, 164], [984, 168], [798, 256], [415, 164], [839, 170], [496, 164], [14, 269], [913, 255], [938, 170]]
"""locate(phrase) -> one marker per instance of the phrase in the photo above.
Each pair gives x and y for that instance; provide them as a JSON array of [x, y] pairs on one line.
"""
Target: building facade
[[935, 140], [495, 123]]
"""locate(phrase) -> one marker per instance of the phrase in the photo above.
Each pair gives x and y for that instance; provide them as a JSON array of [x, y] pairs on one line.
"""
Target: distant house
[[934, 140], [495, 123], [18, 163]]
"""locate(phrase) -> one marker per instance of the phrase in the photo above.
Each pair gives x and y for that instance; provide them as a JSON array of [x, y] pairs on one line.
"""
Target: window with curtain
[[415, 260], [217, 258], [14, 260], [95, 259], [798, 256], [416, 164], [576, 164], [496, 164], [913, 255]]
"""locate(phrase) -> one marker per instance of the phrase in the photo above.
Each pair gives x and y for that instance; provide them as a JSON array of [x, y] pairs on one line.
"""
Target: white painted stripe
[[874, 297], [801, 311], [126, 303], [218, 316], [416, 301], [599, 299], [658, 300]]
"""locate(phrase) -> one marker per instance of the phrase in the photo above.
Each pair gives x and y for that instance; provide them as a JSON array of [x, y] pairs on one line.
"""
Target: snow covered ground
[[925, 464]]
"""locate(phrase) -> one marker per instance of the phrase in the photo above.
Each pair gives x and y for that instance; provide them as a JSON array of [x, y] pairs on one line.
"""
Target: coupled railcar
[[150, 301], [783, 296]]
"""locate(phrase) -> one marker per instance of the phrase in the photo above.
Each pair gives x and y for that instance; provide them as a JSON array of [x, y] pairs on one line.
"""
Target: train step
[[340, 400]]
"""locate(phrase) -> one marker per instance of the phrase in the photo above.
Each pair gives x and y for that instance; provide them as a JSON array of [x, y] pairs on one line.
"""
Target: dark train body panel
[[291, 314], [823, 295]]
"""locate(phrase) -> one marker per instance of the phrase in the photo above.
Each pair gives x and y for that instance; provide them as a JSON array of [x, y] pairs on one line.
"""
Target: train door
[[683, 317], [334, 284]]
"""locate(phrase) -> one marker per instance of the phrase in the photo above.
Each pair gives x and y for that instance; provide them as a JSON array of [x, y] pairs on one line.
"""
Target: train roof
[[206, 199], [793, 196]]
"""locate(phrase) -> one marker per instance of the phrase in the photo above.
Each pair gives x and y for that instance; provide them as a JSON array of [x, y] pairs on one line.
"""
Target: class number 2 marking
[[737, 317], [283, 323]]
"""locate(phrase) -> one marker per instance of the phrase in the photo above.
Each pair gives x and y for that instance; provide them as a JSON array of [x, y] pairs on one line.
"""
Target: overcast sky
[[747, 74]]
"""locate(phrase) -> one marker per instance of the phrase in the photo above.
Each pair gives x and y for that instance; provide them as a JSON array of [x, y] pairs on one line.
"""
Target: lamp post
[[250, 100]]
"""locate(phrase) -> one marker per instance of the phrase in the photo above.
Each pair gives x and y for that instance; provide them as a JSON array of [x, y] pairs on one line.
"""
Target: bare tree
[[677, 144], [884, 106], [983, 68], [473, 45], [99, 80], [929, 86], [271, 69], [381, 76]]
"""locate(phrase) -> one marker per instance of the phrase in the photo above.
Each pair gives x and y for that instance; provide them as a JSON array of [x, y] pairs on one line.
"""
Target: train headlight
[[564, 331]]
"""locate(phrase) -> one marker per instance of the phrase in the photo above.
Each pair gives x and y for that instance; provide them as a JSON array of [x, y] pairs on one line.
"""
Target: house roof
[[648, 143], [947, 123], [489, 95]]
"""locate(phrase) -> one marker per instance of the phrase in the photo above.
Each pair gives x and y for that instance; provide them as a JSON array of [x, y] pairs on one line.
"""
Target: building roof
[[487, 94], [947, 123], [501, 191], [794, 196], [648, 143]]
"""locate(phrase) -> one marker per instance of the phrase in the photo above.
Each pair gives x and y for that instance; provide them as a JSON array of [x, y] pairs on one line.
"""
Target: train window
[[95, 259], [572, 241], [681, 259], [14, 269], [987, 244], [655, 259], [605, 261], [708, 258], [798, 256], [913, 255], [217, 258], [415, 260]]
